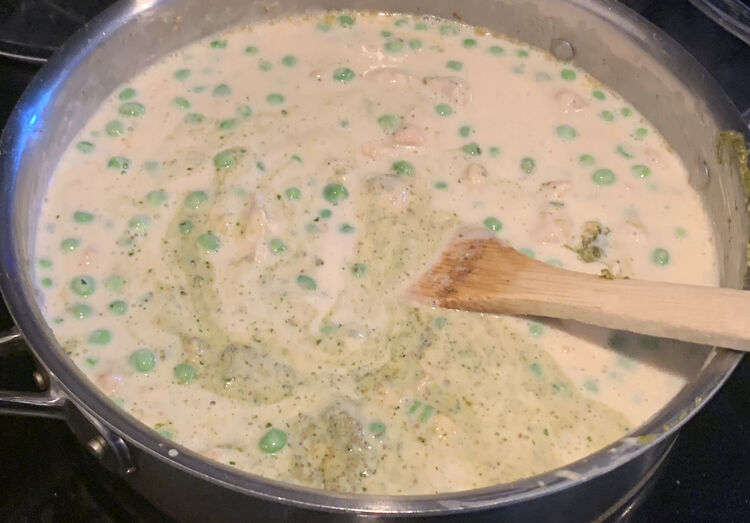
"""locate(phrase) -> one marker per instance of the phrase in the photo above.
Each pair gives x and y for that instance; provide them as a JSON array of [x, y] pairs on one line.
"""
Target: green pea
[[394, 46], [83, 285], [289, 61], [83, 217], [454, 65], [275, 99], [660, 256], [598, 95], [297, 158], [591, 385], [472, 149], [617, 341], [346, 20], [469, 43], [386, 34], [641, 133], [358, 270], [421, 26], [444, 109], [92, 361], [493, 224], [335, 193], [640, 171], [165, 433], [449, 30], [343, 75], [554, 262], [142, 360], [45, 263], [414, 407], [182, 74], [225, 159], [209, 242], [85, 147], [118, 307], [275, 439], [47, 282], [323, 27], [403, 167], [603, 177], [218, 44], [426, 413], [568, 74], [115, 128], [100, 337], [186, 227], [536, 329], [679, 232], [251, 49], [181, 102], [440, 322], [536, 369], [586, 159], [527, 252], [306, 282], [541, 76], [528, 165], [69, 244], [245, 111], [81, 311], [276, 246], [626, 111], [184, 373], [195, 199], [376, 428], [151, 166], [388, 121], [114, 282], [440, 185], [622, 151], [464, 131], [607, 116], [401, 22], [227, 124], [126, 94], [494, 151], [496, 50], [522, 53], [156, 197], [415, 44], [325, 213], [139, 224], [131, 109], [194, 118], [222, 90], [293, 193], [119, 163], [346, 228], [566, 132]]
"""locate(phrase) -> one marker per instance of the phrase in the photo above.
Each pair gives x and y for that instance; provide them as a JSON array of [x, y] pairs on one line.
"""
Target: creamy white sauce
[[259, 299]]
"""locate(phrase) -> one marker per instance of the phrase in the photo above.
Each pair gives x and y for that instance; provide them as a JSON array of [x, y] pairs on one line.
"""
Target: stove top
[[47, 476]]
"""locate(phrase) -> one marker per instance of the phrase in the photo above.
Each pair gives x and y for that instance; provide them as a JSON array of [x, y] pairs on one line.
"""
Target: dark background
[[45, 475]]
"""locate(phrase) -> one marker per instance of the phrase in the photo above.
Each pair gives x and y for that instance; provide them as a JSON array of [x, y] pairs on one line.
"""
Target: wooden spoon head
[[473, 264]]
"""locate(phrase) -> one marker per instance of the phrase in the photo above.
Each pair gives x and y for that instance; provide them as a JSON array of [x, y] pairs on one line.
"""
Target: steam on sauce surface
[[223, 247]]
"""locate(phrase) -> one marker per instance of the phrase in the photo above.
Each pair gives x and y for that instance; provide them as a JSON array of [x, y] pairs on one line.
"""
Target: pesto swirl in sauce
[[223, 247]]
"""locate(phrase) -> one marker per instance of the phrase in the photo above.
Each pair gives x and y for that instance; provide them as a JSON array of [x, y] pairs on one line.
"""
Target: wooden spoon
[[478, 273]]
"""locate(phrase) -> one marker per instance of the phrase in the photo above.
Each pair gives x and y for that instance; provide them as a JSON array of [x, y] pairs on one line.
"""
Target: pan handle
[[109, 448], [47, 404]]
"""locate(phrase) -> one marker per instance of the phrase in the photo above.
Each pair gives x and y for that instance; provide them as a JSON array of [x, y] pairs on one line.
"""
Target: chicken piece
[[409, 136], [551, 227], [449, 88], [388, 77], [390, 190], [570, 101], [474, 176], [109, 382]]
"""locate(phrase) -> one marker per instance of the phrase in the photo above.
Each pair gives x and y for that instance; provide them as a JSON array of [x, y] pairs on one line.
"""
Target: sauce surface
[[223, 248]]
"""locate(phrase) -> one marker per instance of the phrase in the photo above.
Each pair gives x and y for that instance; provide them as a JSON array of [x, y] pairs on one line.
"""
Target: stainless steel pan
[[622, 50]]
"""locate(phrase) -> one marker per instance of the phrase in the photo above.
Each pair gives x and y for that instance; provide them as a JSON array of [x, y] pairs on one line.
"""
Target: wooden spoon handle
[[497, 279]]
